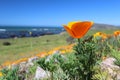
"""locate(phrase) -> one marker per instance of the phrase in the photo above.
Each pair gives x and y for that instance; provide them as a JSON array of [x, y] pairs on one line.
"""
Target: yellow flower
[[42, 54], [50, 52], [104, 57], [8, 63], [62, 51], [78, 29], [30, 33], [97, 34], [100, 34], [20, 60], [1, 74]]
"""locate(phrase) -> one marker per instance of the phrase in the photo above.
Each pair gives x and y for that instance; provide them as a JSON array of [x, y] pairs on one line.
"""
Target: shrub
[[87, 59], [6, 43], [116, 55]]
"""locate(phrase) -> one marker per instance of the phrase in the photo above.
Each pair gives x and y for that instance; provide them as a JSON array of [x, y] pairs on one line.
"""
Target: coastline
[[19, 32]]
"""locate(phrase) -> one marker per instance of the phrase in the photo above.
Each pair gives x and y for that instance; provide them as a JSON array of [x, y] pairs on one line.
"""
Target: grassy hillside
[[26, 47]]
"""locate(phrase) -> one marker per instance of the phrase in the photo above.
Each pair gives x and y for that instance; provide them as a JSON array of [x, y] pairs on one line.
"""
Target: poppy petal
[[71, 23], [69, 31], [81, 28]]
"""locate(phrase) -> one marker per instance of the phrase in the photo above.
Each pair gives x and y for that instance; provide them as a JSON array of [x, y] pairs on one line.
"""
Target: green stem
[[52, 76], [79, 40]]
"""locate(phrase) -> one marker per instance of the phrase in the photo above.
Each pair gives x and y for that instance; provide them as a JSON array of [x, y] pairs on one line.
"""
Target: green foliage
[[101, 75], [70, 67], [104, 47], [109, 47], [31, 72], [10, 74], [114, 44], [87, 58], [48, 64], [32, 69], [78, 65], [62, 66], [16, 74], [52, 64], [116, 55]]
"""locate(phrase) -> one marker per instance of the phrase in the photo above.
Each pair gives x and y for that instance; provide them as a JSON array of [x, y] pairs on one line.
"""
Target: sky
[[58, 12]]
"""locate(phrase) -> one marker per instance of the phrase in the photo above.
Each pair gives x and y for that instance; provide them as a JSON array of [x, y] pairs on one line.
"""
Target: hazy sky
[[58, 12]]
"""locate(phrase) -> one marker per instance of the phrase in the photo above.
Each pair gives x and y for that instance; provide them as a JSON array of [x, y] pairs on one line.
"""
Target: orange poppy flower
[[78, 29], [116, 33]]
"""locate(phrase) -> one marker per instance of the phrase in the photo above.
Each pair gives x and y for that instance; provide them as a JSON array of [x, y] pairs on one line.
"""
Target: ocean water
[[11, 32], [19, 28]]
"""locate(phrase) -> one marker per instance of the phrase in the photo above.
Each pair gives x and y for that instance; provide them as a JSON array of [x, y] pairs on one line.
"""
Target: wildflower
[[62, 51], [1, 74], [78, 29], [97, 34], [0, 67], [117, 33], [8, 63], [20, 60], [109, 36], [104, 57], [104, 36], [30, 33], [42, 54], [50, 52], [101, 35]]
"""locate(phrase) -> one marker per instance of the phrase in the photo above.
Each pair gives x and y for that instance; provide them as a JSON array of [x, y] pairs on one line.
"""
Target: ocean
[[21, 28], [20, 31]]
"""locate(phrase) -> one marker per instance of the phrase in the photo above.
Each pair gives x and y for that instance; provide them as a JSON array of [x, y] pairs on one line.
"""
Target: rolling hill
[[104, 26]]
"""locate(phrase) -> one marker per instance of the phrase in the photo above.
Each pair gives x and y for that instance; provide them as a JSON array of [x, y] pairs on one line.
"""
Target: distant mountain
[[104, 26]]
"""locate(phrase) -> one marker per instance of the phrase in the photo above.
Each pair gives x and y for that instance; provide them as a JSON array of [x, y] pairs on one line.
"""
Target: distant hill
[[104, 26]]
